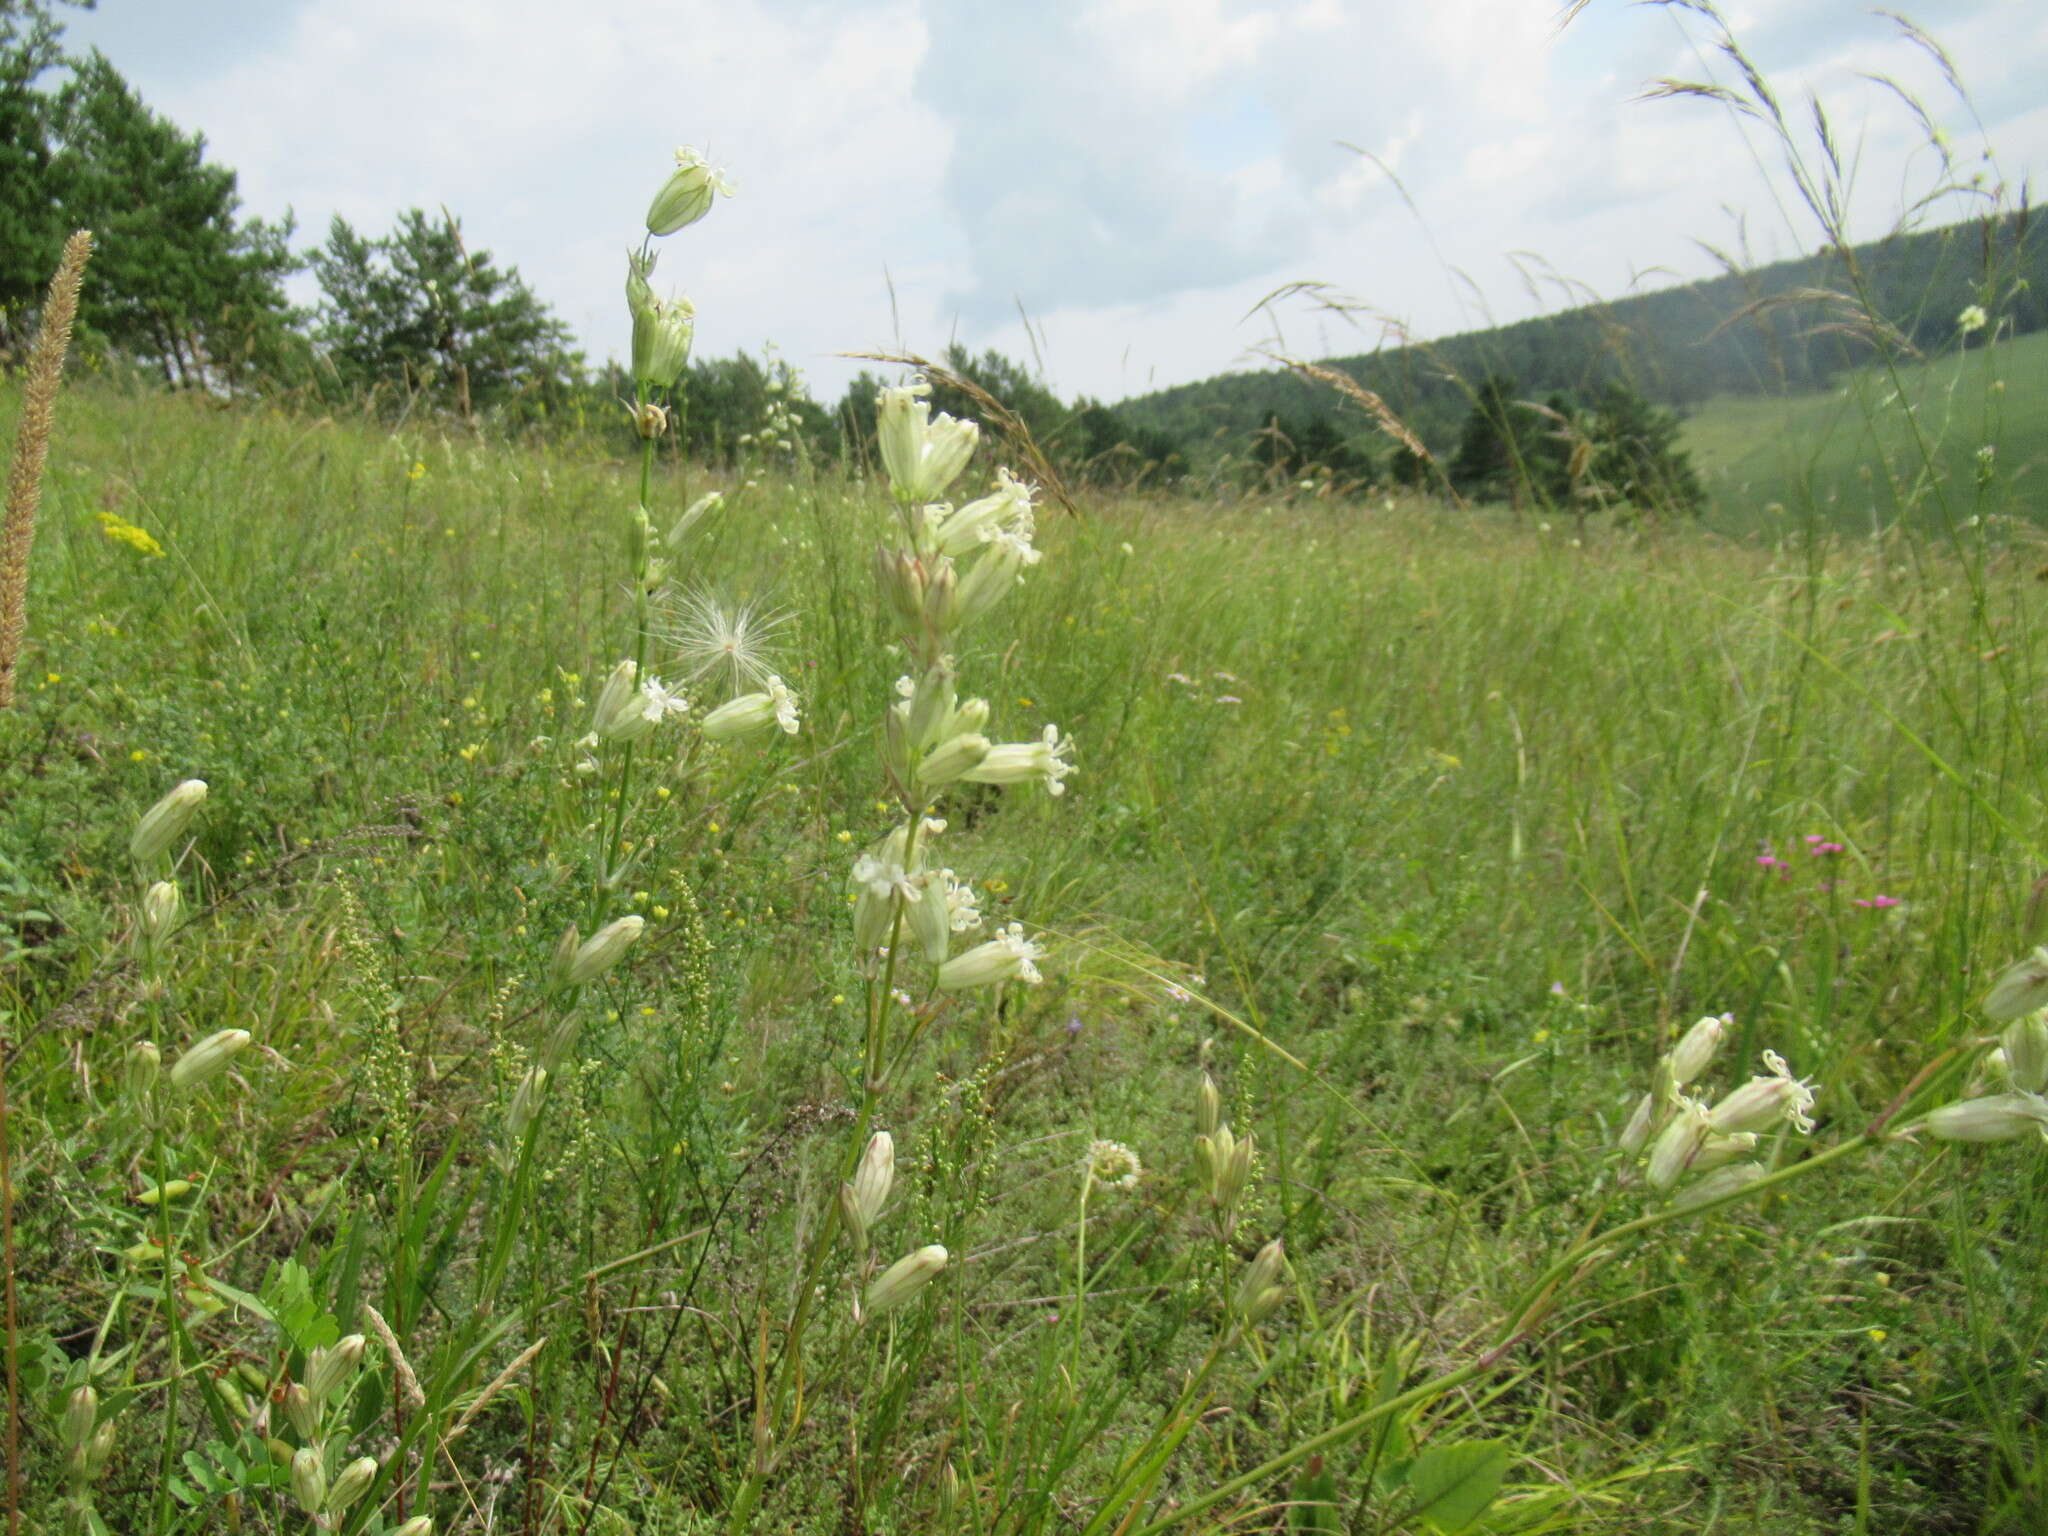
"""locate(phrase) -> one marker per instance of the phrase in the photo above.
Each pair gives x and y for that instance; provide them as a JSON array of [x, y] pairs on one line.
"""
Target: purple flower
[[1557, 989], [1821, 850], [1073, 1025], [1878, 901]]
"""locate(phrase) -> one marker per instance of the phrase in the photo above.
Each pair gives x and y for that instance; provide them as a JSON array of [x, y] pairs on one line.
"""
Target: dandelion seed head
[[730, 642]]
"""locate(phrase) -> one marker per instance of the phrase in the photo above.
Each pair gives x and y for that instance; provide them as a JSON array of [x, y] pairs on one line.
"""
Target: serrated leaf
[[1450, 1486]]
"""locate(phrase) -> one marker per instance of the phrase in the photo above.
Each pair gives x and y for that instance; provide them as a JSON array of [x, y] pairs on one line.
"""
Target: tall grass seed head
[[1764, 1102], [2025, 1043], [208, 1059], [165, 822], [687, 194]]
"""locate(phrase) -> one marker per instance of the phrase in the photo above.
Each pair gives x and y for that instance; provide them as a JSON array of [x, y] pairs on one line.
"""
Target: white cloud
[[1137, 172]]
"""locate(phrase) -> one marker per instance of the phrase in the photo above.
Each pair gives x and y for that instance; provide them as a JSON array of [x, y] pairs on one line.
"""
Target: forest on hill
[[1788, 327]]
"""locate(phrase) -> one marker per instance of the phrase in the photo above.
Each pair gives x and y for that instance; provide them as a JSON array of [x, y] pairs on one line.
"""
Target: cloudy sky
[[1133, 175]]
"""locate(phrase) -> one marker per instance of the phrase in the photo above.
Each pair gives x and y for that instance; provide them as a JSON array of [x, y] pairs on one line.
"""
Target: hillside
[[1757, 333]]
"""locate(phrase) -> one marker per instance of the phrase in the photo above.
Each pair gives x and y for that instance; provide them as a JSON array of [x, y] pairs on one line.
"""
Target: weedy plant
[[544, 1277]]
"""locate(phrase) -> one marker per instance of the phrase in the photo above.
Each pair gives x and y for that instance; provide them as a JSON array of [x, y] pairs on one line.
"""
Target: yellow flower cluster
[[121, 531]]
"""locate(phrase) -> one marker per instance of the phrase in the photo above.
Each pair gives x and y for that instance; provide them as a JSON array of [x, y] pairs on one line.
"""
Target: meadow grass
[[1425, 831], [1773, 462]]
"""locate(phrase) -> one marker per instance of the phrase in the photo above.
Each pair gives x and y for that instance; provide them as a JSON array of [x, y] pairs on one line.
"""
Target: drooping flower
[[1008, 955], [1763, 1102], [1045, 760]]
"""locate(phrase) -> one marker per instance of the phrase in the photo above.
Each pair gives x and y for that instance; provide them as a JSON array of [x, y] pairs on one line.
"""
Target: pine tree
[[420, 313], [177, 280]]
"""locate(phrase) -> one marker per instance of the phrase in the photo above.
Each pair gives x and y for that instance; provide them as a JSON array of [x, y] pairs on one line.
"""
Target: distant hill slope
[[1677, 345], [1838, 451]]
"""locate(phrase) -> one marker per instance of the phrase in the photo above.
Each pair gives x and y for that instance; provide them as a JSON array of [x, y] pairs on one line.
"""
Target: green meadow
[[1883, 446], [1424, 833]]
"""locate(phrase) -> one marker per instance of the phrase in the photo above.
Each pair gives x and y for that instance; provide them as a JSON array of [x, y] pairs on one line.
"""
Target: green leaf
[[1451, 1485]]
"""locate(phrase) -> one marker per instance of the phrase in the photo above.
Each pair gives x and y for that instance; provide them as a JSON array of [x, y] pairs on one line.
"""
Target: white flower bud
[[304, 1413], [1673, 1151], [695, 512], [922, 455], [873, 1178], [160, 907], [902, 580], [208, 1059], [81, 1410], [603, 950], [904, 1279], [2022, 988], [330, 1369], [1640, 1124], [931, 916], [140, 1070], [165, 822], [662, 332], [1999, 1117], [1695, 1049], [353, 1483], [1261, 1275], [2025, 1043], [686, 196], [1044, 760], [1208, 1107], [753, 712], [951, 759], [309, 1479], [1722, 1181], [526, 1101]]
